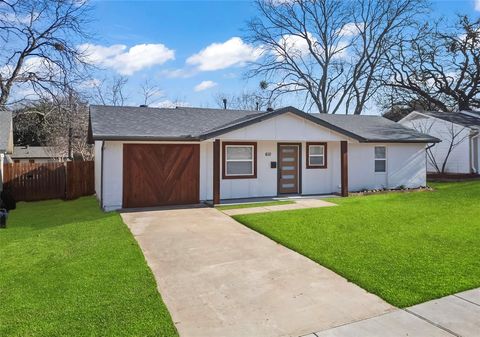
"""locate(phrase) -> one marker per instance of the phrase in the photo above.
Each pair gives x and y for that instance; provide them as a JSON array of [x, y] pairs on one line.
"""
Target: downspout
[[2, 156], [101, 175], [473, 155]]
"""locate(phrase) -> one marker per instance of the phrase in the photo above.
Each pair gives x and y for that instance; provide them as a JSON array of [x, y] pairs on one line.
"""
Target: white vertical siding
[[459, 159], [322, 181], [266, 182], [406, 166], [287, 128], [112, 175], [98, 168]]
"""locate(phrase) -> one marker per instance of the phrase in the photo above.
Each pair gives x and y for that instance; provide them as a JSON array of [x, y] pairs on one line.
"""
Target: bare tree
[[60, 123], [452, 136], [109, 91], [328, 50], [150, 92], [439, 65], [39, 40], [259, 99]]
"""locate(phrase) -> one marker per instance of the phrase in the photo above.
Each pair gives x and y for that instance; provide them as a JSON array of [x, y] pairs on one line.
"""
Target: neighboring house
[[6, 140], [459, 133], [154, 156], [34, 154]]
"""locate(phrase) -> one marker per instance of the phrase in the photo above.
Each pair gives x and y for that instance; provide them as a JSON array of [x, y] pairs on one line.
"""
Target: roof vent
[[224, 103], [143, 106], [269, 109]]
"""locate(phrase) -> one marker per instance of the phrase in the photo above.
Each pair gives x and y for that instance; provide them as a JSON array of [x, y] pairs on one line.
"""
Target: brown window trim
[[224, 160], [325, 152]]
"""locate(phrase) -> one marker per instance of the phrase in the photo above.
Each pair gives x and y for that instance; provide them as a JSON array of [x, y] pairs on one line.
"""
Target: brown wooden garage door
[[156, 175]]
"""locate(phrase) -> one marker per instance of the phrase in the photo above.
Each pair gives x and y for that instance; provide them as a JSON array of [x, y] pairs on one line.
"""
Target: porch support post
[[344, 167], [216, 171]]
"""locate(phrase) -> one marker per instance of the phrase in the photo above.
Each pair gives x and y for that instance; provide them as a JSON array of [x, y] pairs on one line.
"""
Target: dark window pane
[[380, 166]]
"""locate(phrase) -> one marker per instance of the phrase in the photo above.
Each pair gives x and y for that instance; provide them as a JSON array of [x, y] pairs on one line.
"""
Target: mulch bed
[[447, 177], [391, 190]]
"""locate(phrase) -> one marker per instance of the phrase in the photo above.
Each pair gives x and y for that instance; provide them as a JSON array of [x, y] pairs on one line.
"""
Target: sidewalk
[[299, 204], [454, 315]]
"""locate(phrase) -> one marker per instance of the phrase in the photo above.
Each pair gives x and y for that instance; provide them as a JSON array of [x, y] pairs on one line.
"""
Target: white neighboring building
[[35, 155], [157, 156], [458, 128], [6, 139]]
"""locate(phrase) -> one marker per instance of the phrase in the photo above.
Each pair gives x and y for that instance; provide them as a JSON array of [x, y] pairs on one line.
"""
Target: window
[[380, 159], [316, 155], [239, 160]]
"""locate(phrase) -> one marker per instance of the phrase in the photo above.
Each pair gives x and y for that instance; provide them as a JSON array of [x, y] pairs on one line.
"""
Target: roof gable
[[286, 127]]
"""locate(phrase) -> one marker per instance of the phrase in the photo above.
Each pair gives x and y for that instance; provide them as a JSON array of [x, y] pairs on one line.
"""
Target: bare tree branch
[[39, 39], [328, 50], [439, 65]]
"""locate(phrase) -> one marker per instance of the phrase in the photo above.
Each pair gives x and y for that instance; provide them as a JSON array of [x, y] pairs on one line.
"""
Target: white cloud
[[169, 104], [91, 83], [297, 46], [179, 73], [42, 67], [13, 18], [477, 5], [204, 85], [351, 29], [233, 52], [127, 61]]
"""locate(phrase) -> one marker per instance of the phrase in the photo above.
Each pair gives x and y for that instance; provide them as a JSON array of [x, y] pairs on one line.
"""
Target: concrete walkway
[[219, 278], [299, 204], [456, 315]]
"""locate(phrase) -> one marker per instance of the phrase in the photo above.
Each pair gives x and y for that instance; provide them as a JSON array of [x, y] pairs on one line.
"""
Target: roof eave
[[145, 138], [433, 140]]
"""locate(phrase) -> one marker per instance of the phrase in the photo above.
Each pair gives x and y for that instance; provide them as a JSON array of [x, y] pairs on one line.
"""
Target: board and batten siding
[[459, 159], [406, 166], [98, 168]]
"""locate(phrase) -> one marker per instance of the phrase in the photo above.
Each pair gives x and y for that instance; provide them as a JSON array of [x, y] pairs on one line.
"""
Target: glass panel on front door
[[288, 169]]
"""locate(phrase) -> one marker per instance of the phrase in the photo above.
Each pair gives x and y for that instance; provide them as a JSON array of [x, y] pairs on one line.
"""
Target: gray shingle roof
[[32, 152], [376, 128], [140, 123], [5, 130], [109, 122], [456, 117]]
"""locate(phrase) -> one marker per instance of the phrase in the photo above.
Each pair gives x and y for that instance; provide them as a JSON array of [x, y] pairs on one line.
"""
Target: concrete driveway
[[219, 278]]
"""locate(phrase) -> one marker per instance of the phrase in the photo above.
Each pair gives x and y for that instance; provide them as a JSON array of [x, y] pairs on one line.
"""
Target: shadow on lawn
[[40, 215]]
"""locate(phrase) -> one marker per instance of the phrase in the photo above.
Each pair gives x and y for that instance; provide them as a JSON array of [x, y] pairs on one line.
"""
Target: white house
[[153, 156], [35, 154], [6, 139], [459, 133]]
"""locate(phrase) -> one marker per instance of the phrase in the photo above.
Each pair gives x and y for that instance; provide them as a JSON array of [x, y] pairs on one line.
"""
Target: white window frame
[[252, 173], [375, 159]]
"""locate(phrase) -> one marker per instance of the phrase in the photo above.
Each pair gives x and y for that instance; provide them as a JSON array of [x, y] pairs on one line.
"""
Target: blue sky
[[191, 49]]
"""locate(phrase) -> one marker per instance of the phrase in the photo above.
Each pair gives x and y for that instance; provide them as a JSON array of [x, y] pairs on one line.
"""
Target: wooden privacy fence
[[31, 182]]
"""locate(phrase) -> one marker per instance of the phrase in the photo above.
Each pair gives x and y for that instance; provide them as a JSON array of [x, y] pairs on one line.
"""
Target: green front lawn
[[255, 204], [68, 269], [405, 247]]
